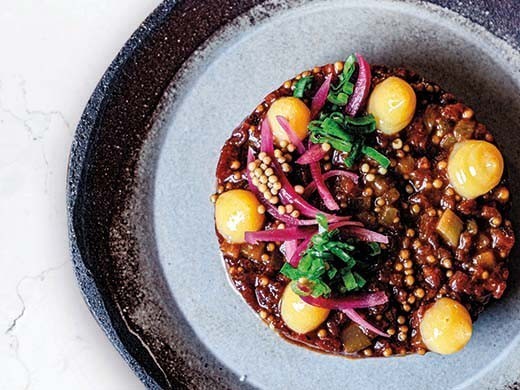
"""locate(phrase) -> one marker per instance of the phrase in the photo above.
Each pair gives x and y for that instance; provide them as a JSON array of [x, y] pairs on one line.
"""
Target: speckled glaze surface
[[141, 227]]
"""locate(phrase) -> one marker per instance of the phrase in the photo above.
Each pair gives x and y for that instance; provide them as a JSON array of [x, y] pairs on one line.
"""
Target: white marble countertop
[[53, 53]]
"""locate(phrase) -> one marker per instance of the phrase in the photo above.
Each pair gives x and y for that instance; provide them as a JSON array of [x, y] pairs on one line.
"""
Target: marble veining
[[53, 54]]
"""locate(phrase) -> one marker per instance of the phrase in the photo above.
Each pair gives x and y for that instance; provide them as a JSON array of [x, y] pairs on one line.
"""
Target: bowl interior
[[224, 81]]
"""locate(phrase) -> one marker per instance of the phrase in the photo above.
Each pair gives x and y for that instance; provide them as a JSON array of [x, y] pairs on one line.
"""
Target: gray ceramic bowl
[[142, 169]]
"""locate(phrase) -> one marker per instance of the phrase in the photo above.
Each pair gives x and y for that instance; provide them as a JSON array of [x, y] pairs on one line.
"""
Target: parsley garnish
[[329, 265], [301, 86]]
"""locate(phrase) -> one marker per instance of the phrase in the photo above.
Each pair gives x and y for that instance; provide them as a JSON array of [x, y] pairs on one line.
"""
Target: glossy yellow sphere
[[446, 327], [298, 315], [474, 168], [236, 212], [297, 114], [392, 102]]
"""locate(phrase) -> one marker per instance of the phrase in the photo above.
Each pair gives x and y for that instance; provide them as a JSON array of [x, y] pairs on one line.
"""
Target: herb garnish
[[340, 93], [374, 154], [342, 132], [348, 135], [301, 86], [328, 264]]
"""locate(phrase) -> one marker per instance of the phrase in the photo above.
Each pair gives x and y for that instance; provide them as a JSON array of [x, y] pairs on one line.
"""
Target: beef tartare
[[363, 211]]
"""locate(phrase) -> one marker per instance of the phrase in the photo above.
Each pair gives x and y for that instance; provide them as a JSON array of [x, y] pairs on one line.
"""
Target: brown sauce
[[405, 203]]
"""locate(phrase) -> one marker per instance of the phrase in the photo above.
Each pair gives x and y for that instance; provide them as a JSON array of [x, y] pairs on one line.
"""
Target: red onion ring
[[313, 154], [271, 209], [312, 186], [361, 88], [291, 247], [365, 234], [294, 260], [324, 192], [266, 135], [286, 126], [320, 98], [356, 317], [358, 301], [288, 234]]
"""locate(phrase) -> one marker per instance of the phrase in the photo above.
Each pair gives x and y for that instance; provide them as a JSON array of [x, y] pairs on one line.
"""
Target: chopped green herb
[[329, 265], [374, 248], [353, 155], [340, 99], [333, 128], [332, 272], [367, 120], [344, 133], [340, 92], [361, 125], [323, 224], [350, 281], [347, 134], [301, 86], [377, 156], [360, 280], [337, 144], [349, 67]]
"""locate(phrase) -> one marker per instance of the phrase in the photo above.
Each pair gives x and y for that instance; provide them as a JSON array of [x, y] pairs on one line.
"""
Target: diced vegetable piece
[[354, 339], [464, 129], [446, 327], [485, 260], [388, 215], [475, 167], [406, 165], [253, 251], [448, 141], [230, 250], [449, 227]]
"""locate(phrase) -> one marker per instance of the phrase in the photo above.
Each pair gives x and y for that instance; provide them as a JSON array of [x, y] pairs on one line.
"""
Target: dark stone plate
[[117, 181]]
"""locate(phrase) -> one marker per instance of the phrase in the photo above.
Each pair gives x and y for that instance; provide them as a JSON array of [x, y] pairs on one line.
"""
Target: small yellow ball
[[392, 102], [298, 315], [236, 212], [474, 168], [297, 114], [446, 327]]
